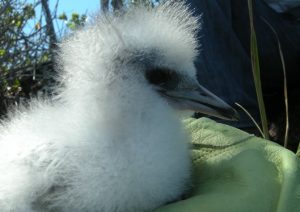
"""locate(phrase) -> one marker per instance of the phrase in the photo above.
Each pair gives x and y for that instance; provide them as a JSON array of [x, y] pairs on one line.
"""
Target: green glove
[[237, 172]]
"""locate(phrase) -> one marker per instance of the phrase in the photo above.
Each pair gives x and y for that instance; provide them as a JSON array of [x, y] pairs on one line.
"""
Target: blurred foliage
[[23, 43], [143, 2], [76, 21], [114, 5]]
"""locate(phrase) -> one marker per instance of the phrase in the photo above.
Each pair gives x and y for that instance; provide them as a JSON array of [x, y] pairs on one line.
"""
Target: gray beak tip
[[201, 100]]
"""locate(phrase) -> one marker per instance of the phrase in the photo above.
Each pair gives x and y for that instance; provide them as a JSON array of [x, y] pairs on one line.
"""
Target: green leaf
[[16, 83], [75, 17], [2, 52], [18, 23], [29, 11], [71, 25], [45, 57], [63, 16]]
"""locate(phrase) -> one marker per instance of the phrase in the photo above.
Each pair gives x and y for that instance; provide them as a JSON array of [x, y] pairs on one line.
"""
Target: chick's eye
[[161, 76]]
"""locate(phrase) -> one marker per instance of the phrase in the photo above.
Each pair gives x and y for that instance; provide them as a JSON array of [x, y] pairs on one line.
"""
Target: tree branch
[[49, 25], [104, 5]]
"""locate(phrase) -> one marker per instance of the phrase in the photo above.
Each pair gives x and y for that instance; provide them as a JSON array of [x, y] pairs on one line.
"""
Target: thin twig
[[251, 117]]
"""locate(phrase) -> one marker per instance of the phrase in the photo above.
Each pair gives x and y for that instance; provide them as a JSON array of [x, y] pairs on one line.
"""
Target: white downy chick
[[112, 141]]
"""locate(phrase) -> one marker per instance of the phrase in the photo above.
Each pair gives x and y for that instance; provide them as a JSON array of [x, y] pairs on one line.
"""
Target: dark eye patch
[[162, 77]]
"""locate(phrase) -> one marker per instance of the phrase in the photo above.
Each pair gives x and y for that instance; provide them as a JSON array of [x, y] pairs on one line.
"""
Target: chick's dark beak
[[199, 99]]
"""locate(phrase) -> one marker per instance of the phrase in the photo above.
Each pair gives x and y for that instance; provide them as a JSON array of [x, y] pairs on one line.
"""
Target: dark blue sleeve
[[223, 64]]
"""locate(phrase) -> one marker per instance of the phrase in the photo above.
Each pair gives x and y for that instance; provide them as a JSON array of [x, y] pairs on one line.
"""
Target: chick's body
[[131, 162], [109, 143]]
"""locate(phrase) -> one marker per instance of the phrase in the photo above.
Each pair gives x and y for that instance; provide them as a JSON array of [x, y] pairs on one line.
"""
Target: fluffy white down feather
[[109, 143]]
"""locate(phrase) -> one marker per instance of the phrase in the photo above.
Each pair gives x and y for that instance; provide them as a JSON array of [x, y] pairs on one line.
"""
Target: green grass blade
[[256, 72], [285, 90]]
